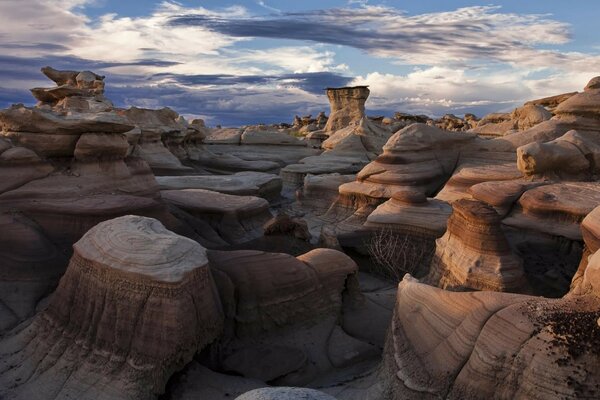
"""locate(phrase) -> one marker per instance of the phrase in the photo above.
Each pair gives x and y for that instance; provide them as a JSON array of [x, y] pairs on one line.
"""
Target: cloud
[[466, 34]]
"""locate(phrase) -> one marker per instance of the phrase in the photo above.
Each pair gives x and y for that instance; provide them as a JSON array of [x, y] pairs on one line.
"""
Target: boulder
[[135, 305], [236, 219]]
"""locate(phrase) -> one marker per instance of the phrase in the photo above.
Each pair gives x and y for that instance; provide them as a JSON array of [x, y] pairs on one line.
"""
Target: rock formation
[[474, 253], [350, 139], [284, 393], [135, 305], [236, 219], [493, 345], [247, 183], [347, 106]]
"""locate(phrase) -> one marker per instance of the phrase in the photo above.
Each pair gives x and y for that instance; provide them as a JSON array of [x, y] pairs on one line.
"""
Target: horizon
[[237, 63]]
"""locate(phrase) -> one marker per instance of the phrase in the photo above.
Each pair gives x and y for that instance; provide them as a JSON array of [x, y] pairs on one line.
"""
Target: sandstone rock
[[128, 276], [224, 136], [551, 102], [253, 136], [411, 213], [474, 253], [555, 209], [362, 137], [574, 153], [18, 166], [237, 219], [284, 393], [320, 191], [274, 290], [501, 195], [246, 183], [347, 106], [19, 118], [158, 126], [477, 168], [481, 345], [283, 224], [101, 146]]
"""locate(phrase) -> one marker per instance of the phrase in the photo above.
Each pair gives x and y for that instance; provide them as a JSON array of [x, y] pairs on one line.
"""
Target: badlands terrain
[[145, 256]]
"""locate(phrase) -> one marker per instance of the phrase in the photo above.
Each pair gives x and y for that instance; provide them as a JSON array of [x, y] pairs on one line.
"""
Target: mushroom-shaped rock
[[412, 213], [474, 253], [135, 305], [347, 106]]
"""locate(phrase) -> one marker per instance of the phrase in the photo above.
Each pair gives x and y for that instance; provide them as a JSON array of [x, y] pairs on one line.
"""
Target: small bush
[[395, 254]]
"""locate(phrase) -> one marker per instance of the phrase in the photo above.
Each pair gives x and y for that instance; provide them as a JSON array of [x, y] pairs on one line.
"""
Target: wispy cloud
[[459, 36]]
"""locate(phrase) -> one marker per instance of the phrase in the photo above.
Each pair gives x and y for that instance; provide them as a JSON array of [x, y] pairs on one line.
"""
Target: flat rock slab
[[246, 183], [237, 219]]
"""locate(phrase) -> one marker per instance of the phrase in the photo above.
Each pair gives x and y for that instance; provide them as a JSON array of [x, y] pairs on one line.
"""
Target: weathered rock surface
[[347, 106], [236, 219], [246, 183], [474, 253], [574, 154], [494, 345], [136, 303], [556, 209], [284, 393], [412, 213]]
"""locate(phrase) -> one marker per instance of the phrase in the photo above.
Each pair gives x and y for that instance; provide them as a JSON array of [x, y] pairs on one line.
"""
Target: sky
[[263, 61]]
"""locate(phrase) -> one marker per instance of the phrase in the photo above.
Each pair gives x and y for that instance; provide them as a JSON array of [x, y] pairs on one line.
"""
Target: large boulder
[[135, 305]]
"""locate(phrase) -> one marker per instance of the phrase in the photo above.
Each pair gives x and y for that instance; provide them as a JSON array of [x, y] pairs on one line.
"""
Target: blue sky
[[242, 62]]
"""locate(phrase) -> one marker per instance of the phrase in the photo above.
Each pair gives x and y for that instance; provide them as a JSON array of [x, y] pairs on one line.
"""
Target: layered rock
[[347, 106], [520, 119], [158, 127], [65, 168], [266, 299], [236, 219], [283, 314], [411, 213], [555, 209], [573, 155], [135, 305], [474, 253], [493, 345], [246, 183]]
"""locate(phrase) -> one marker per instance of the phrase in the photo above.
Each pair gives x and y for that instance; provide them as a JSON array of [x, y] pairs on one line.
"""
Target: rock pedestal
[[347, 106]]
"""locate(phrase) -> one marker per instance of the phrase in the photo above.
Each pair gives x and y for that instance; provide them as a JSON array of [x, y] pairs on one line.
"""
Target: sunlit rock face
[[135, 305], [573, 155], [484, 344], [347, 106], [350, 139]]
